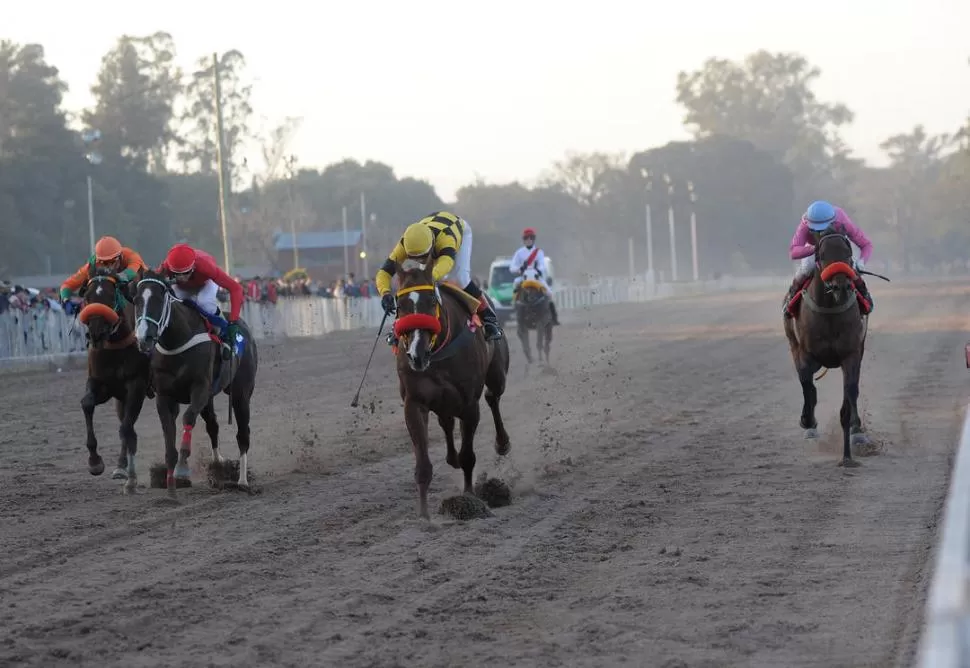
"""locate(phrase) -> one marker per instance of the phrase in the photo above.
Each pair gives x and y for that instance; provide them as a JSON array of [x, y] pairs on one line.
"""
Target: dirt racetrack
[[667, 510]]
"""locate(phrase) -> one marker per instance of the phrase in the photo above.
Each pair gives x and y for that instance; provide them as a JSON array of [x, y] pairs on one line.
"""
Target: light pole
[[93, 156], [670, 223], [373, 221], [649, 191], [693, 228]]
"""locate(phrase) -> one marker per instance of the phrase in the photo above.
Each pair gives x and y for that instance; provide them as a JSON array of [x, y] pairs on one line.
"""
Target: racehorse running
[[116, 370], [188, 368], [829, 331], [444, 364], [532, 311]]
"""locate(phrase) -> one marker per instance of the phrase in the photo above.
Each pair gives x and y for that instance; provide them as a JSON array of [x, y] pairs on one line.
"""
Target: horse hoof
[[96, 468], [129, 490], [849, 463], [859, 438], [183, 472], [811, 433], [119, 474], [503, 448]]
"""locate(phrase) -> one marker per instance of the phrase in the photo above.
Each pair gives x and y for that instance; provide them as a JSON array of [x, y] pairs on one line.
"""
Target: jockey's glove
[[231, 331], [387, 303]]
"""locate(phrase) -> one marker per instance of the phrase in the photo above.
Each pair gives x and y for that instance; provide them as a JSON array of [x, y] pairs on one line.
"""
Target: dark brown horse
[[187, 368], [116, 370], [830, 331], [532, 311], [444, 364]]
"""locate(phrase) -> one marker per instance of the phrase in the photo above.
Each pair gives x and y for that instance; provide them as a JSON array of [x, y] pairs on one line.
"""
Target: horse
[[532, 311], [830, 331], [187, 368], [444, 364], [116, 370]]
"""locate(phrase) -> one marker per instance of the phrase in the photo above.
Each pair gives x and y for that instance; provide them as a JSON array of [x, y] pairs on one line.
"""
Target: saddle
[[471, 304]]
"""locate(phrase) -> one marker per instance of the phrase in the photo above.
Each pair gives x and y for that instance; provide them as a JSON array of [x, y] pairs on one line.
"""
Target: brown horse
[[444, 364], [116, 370], [532, 311], [830, 331]]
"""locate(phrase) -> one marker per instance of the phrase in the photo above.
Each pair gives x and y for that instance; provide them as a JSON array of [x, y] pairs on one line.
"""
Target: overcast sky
[[452, 91]]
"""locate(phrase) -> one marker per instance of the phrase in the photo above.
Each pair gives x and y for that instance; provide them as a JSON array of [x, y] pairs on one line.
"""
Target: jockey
[[109, 254], [822, 218], [446, 240], [529, 256], [198, 278]]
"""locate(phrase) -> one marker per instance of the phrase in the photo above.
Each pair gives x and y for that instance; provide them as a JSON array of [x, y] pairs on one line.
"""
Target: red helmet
[[181, 259], [528, 232]]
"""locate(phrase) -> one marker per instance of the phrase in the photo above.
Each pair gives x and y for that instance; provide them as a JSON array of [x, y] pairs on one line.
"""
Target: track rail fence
[[43, 334], [945, 642]]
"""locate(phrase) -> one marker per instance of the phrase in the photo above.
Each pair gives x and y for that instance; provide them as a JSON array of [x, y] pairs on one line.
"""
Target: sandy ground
[[667, 510]]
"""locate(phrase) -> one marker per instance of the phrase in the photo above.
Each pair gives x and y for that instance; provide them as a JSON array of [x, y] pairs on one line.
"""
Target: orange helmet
[[107, 249], [180, 259]]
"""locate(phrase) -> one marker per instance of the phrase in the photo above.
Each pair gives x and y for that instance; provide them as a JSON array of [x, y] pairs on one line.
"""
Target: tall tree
[[583, 176], [199, 117], [768, 100], [41, 168], [135, 97]]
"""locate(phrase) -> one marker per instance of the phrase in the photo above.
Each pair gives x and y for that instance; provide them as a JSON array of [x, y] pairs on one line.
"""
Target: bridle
[[166, 314]]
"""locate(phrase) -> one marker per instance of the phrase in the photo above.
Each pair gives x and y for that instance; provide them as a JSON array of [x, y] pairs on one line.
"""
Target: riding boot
[[795, 286], [860, 285], [555, 316], [493, 331]]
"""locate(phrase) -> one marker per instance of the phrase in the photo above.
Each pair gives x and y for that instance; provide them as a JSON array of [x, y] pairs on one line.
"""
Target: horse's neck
[[183, 323]]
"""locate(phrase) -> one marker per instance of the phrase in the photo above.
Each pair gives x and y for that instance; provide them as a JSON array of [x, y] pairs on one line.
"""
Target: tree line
[[764, 146]]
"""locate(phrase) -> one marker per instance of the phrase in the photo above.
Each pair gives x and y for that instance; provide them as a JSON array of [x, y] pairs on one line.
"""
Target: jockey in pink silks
[[822, 218]]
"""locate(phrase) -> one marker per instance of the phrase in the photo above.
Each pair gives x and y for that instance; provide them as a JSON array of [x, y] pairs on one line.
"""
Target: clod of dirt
[[225, 473], [464, 507], [157, 474], [494, 492]]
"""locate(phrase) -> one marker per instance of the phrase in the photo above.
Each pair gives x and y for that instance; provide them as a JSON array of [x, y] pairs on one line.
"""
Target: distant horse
[[829, 331], [444, 364], [187, 368], [532, 311], [116, 370]]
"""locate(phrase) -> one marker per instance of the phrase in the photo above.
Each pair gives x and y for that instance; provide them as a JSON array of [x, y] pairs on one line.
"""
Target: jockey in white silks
[[530, 258]]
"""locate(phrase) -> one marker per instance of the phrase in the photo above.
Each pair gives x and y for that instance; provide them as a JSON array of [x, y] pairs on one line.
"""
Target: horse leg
[[523, 332], [95, 394], [130, 409], [121, 469], [167, 412], [447, 423], [466, 456], [494, 389], [857, 435], [416, 418], [850, 409], [806, 371], [240, 408], [212, 429], [199, 396]]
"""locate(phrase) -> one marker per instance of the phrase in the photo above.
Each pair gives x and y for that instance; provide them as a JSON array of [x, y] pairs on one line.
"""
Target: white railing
[[45, 334], [946, 634]]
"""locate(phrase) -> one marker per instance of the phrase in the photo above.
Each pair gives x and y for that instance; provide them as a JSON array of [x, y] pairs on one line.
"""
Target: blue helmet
[[820, 216]]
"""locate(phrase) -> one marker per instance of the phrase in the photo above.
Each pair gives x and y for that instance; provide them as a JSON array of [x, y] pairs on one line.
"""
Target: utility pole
[[290, 163], [693, 229], [220, 162], [670, 224], [343, 220], [363, 235]]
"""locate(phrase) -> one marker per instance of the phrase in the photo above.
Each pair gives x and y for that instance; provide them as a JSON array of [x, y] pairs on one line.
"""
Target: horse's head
[[103, 308], [418, 321], [531, 290], [833, 260], [152, 296]]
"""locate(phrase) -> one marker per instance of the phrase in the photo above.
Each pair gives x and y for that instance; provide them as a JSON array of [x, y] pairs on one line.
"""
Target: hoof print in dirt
[[464, 507], [225, 475], [157, 474], [494, 492]]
